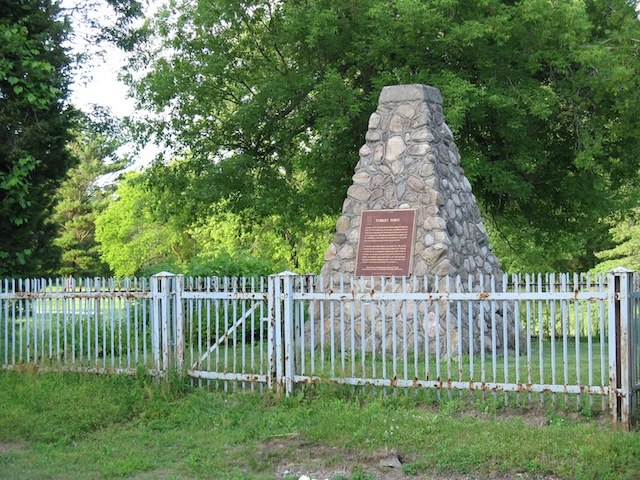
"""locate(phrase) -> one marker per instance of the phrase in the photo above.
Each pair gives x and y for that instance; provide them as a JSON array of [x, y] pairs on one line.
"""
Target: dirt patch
[[538, 416], [294, 456], [11, 447]]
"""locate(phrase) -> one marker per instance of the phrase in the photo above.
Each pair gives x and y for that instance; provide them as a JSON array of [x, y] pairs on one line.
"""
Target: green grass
[[84, 427]]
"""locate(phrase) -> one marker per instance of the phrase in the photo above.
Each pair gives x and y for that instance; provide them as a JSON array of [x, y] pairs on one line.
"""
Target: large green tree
[[271, 99], [83, 195], [34, 130]]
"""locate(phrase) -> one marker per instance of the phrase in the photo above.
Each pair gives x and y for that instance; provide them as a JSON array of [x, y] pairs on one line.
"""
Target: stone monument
[[410, 162]]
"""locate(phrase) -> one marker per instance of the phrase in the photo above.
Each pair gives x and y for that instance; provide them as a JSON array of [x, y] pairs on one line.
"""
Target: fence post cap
[[620, 270], [164, 274], [286, 273]]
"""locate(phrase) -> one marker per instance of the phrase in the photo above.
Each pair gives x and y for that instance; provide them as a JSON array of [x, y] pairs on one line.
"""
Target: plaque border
[[413, 237]]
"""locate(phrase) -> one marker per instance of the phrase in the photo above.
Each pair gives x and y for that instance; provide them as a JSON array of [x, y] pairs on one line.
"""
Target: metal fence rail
[[93, 325], [524, 338], [445, 335]]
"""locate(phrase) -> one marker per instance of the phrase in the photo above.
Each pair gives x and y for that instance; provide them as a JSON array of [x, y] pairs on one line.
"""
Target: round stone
[[372, 136], [432, 210], [398, 124], [374, 120], [365, 151], [467, 265], [422, 135], [342, 225], [361, 177], [406, 111], [434, 223], [445, 267], [426, 170], [429, 240], [420, 268], [415, 184], [446, 131], [377, 193], [347, 252], [433, 253], [358, 192], [397, 167], [378, 153], [339, 239], [330, 254], [420, 149], [421, 119], [400, 190], [395, 148]]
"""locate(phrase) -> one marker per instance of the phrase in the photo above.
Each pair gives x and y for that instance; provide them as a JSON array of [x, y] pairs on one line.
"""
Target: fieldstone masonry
[[410, 160]]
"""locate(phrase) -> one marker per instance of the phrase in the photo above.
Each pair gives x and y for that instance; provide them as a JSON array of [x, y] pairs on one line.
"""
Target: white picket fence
[[577, 336]]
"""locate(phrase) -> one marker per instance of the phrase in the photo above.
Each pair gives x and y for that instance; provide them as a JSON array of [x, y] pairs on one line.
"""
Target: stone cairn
[[410, 161]]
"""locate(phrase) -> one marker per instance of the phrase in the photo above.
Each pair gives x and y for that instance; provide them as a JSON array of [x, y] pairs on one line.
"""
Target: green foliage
[[626, 253], [271, 101], [34, 77], [144, 232], [80, 199], [131, 237]]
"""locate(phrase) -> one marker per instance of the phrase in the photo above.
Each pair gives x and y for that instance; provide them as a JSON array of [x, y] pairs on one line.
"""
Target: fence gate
[[220, 329]]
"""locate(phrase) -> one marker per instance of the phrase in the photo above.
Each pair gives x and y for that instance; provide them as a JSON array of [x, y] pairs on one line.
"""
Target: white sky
[[97, 83], [103, 87]]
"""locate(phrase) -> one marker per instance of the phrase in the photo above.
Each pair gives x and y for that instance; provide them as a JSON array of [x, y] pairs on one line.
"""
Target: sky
[[97, 83]]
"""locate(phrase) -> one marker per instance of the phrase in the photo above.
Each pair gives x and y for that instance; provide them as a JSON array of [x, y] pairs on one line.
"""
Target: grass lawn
[[71, 426]]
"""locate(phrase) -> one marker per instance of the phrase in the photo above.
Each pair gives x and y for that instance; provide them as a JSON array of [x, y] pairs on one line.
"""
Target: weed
[[410, 468], [360, 476]]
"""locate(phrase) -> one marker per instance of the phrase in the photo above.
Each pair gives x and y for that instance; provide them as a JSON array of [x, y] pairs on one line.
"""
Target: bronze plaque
[[386, 242]]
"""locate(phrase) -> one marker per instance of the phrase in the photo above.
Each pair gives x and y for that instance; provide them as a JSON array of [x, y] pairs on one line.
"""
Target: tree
[[34, 130], [271, 101], [137, 237], [80, 199], [625, 232], [130, 235]]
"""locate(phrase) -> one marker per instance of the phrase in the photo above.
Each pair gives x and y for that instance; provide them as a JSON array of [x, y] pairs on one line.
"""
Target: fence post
[[155, 324], [271, 351], [280, 335], [621, 377], [179, 324], [289, 345], [163, 285]]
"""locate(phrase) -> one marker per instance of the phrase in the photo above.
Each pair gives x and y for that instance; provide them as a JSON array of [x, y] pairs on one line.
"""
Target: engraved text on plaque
[[386, 242]]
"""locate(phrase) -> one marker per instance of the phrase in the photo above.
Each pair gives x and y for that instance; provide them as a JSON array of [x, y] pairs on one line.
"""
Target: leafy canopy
[[34, 126], [270, 99]]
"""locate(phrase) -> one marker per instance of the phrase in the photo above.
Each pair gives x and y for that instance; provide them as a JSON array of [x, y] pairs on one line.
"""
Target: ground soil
[[297, 457]]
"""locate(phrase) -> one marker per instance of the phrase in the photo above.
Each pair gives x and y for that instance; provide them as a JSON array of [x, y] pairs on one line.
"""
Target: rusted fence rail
[[525, 338]]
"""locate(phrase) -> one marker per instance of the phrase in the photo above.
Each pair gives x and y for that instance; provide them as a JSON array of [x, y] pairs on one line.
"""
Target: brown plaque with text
[[386, 242]]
